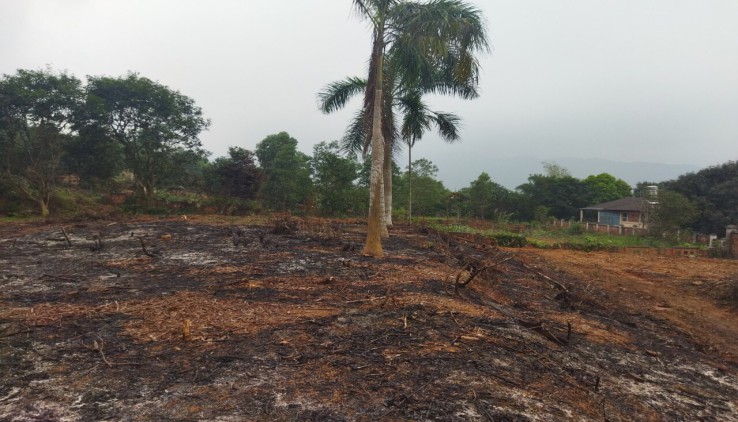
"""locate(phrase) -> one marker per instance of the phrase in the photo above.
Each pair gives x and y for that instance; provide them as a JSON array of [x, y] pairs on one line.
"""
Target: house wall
[[634, 220], [613, 218], [609, 217]]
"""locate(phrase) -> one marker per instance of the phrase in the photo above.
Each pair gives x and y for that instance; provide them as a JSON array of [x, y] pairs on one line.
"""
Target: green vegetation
[[714, 193], [417, 48], [37, 114], [287, 186], [156, 127], [130, 144], [554, 238]]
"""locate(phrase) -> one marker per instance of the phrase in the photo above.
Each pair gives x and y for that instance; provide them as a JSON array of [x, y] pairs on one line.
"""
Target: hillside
[[224, 320]]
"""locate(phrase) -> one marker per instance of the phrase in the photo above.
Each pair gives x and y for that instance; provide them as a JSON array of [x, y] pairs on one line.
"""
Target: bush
[[78, 204], [575, 229], [509, 240], [589, 244]]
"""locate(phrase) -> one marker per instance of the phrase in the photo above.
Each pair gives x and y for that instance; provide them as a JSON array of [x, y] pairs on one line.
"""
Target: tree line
[[133, 132], [52, 124]]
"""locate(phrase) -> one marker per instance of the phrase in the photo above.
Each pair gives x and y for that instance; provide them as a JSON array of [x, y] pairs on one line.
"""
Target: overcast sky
[[626, 80]]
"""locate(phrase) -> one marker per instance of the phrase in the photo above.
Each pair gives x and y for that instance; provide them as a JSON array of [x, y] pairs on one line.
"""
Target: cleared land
[[223, 321]]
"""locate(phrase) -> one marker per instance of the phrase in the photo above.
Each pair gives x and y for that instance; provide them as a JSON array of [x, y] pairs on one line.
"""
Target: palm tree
[[423, 39], [417, 119]]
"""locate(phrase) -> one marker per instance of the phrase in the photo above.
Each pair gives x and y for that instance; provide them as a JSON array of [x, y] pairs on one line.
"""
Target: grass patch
[[573, 237]]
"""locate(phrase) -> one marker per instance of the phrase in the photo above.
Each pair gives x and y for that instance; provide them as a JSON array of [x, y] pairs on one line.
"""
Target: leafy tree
[[672, 212], [714, 191], [37, 109], [236, 175], [552, 169], [424, 168], [562, 196], [430, 194], [423, 38], [605, 187], [184, 170], [484, 196], [287, 170], [150, 121], [334, 175], [93, 156]]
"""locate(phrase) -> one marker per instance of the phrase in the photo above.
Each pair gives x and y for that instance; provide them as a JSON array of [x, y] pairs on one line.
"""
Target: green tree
[[334, 176], [234, 178], [418, 119], [430, 194], [605, 187], [672, 212], [236, 175], [483, 196], [94, 157], [287, 170], [562, 196], [184, 170], [423, 38], [555, 170], [37, 109], [150, 121], [714, 191]]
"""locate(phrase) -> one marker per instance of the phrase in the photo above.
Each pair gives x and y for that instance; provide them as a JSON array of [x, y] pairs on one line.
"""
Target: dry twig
[[66, 236]]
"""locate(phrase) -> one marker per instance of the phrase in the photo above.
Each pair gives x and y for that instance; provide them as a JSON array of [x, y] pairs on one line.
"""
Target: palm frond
[[439, 40], [337, 94], [448, 125], [364, 11], [355, 137]]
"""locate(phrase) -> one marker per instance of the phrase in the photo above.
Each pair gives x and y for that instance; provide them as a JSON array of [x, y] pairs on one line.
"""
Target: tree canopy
[[714, 191], [149, 120], [287, 186], [335, 176], [37, 112]]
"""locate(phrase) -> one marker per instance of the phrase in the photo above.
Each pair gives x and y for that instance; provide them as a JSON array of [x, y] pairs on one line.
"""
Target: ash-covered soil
[[184, 320]]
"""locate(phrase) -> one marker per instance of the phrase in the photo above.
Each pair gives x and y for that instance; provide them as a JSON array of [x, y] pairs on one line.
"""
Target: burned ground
[[182, 320]]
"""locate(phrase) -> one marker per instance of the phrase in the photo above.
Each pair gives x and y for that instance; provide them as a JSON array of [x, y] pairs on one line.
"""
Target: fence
[[602, 228], [522, 228]]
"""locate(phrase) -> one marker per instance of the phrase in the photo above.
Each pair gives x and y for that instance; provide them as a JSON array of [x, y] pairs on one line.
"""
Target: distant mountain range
[[513, 172]]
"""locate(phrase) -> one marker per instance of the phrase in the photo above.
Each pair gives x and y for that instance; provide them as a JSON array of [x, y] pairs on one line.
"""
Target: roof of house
[[624, 204]]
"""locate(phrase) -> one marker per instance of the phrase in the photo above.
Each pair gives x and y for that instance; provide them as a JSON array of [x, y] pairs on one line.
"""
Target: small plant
[[575, 229], [510, 240]]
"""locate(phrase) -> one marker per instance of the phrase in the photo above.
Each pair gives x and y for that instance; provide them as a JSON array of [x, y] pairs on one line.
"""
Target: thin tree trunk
[[410, 182], [44, 207], [387, 185]]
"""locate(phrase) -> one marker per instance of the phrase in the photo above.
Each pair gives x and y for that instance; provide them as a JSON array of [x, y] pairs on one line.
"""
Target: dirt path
[[230, 322]]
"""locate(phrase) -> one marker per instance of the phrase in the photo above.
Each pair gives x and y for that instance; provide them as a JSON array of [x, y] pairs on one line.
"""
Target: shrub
[[575, 229], [509, 240]]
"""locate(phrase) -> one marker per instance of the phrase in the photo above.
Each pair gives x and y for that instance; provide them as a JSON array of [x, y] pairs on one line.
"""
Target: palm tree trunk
[[410, 182], [376, 229], [387, 184], [375, 226]]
